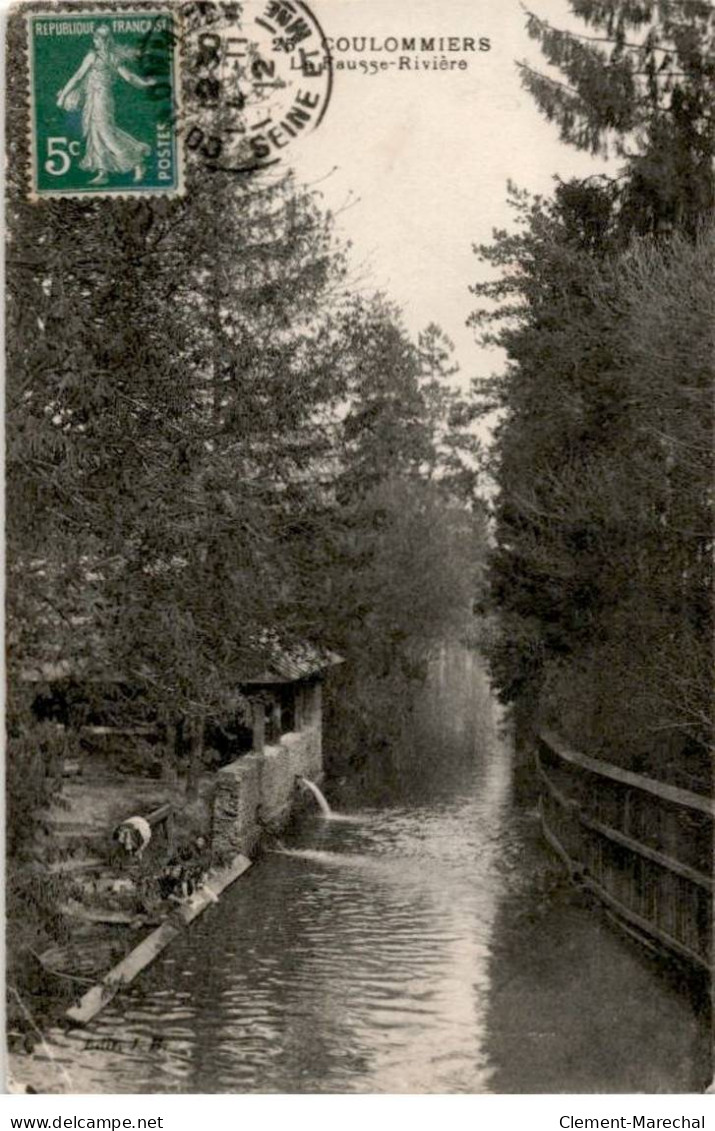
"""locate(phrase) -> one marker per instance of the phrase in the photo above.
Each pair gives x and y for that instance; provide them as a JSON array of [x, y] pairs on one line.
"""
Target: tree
[[639, 81], [599, 560], [407, 535], [171, 367], [163, 438], [557, 402], [600, 564]]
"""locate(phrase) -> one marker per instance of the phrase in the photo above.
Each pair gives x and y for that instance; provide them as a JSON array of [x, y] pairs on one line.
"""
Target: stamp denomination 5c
[[100, 124]]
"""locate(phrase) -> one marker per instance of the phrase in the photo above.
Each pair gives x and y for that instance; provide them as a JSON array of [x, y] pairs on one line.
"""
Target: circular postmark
[[256, 78]]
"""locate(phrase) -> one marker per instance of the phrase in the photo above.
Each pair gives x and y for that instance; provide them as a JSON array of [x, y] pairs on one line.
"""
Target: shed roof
[[287, 665], [69, 646], [292, 664]]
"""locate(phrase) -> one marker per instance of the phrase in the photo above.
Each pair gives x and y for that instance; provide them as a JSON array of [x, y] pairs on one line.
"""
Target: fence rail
[[644, 847]]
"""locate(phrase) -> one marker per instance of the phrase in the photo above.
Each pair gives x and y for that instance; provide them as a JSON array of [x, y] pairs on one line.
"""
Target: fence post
[[258, 726], [276, 723], [196, 757], [171, 753]]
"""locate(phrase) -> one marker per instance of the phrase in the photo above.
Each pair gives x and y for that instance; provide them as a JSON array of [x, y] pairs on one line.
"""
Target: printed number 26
[[58, 159]]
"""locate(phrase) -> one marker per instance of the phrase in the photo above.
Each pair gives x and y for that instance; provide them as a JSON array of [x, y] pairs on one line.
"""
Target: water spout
[[310, 785]]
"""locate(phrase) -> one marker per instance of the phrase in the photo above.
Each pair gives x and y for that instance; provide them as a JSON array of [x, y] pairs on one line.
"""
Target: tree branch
[[595, 38]]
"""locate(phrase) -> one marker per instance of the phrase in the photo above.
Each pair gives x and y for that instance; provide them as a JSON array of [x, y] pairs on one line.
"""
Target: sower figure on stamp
[[108, 149]]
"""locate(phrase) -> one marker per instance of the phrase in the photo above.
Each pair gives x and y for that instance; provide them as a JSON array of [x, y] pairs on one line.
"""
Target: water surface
[[424, 944]]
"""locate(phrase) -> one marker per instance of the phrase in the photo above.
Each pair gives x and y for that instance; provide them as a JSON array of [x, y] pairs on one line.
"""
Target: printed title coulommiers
[[678, 1122], [392, 43]]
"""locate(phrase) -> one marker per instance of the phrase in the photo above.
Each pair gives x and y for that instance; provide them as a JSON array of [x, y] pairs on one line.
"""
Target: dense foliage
[[638, 80], [602, 300], [214, 449]]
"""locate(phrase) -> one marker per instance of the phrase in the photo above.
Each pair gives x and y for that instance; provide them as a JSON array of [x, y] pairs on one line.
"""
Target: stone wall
[[260, 788]]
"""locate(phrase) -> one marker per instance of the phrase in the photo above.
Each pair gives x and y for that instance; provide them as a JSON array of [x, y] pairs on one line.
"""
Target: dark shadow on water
[[576, 1006], [423, 940]]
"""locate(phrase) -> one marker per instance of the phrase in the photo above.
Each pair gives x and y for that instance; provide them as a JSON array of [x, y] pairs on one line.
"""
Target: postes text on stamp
[[101, 122]]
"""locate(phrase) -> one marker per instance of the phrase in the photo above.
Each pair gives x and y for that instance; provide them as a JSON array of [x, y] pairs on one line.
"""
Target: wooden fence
[[643, 847]]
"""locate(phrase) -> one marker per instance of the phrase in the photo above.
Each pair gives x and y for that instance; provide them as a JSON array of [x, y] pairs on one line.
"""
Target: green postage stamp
[[103, 100]]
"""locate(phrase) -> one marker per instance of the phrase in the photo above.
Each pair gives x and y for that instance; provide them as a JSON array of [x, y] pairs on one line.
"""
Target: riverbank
[[107, 900], [423, 939], [576, 1005]]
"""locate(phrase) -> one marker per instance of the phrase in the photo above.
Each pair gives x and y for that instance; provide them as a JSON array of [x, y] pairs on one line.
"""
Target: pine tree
[[600, 567], [171, 363], [408, 537], [641, 82]]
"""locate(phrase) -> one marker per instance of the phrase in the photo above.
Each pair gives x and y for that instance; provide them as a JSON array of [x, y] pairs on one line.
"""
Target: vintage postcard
[[359, 408]]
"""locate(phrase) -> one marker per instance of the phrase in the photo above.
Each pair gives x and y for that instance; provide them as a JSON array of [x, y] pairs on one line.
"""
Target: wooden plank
[[672, 793], [75, 910], [640, 936], [91, 1003], [566, 802], [668, 862], [160, 814], [119, 732], [573, 865], [93, 864], [623, 910], [645, 924]]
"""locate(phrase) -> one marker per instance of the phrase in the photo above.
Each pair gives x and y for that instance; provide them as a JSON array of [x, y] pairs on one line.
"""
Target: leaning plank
[[91, 1003], [88, 864], [566, 802], [649, 785], [636, 846], [160, 814], [622, 909], [645, 924], [649, 853], [118, 732], [74, 910], [575, 869]]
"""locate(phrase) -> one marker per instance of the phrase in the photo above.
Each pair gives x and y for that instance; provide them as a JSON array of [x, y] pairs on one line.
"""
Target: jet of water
[[319, 797]]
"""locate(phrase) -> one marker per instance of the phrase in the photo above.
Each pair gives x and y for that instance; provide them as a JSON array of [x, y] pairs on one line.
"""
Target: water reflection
[[417, 945]]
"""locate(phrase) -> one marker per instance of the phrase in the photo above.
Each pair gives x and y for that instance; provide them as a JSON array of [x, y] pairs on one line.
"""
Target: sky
[[416, 162]]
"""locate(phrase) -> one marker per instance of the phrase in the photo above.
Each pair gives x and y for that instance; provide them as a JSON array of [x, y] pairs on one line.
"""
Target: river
[[424, 940]]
